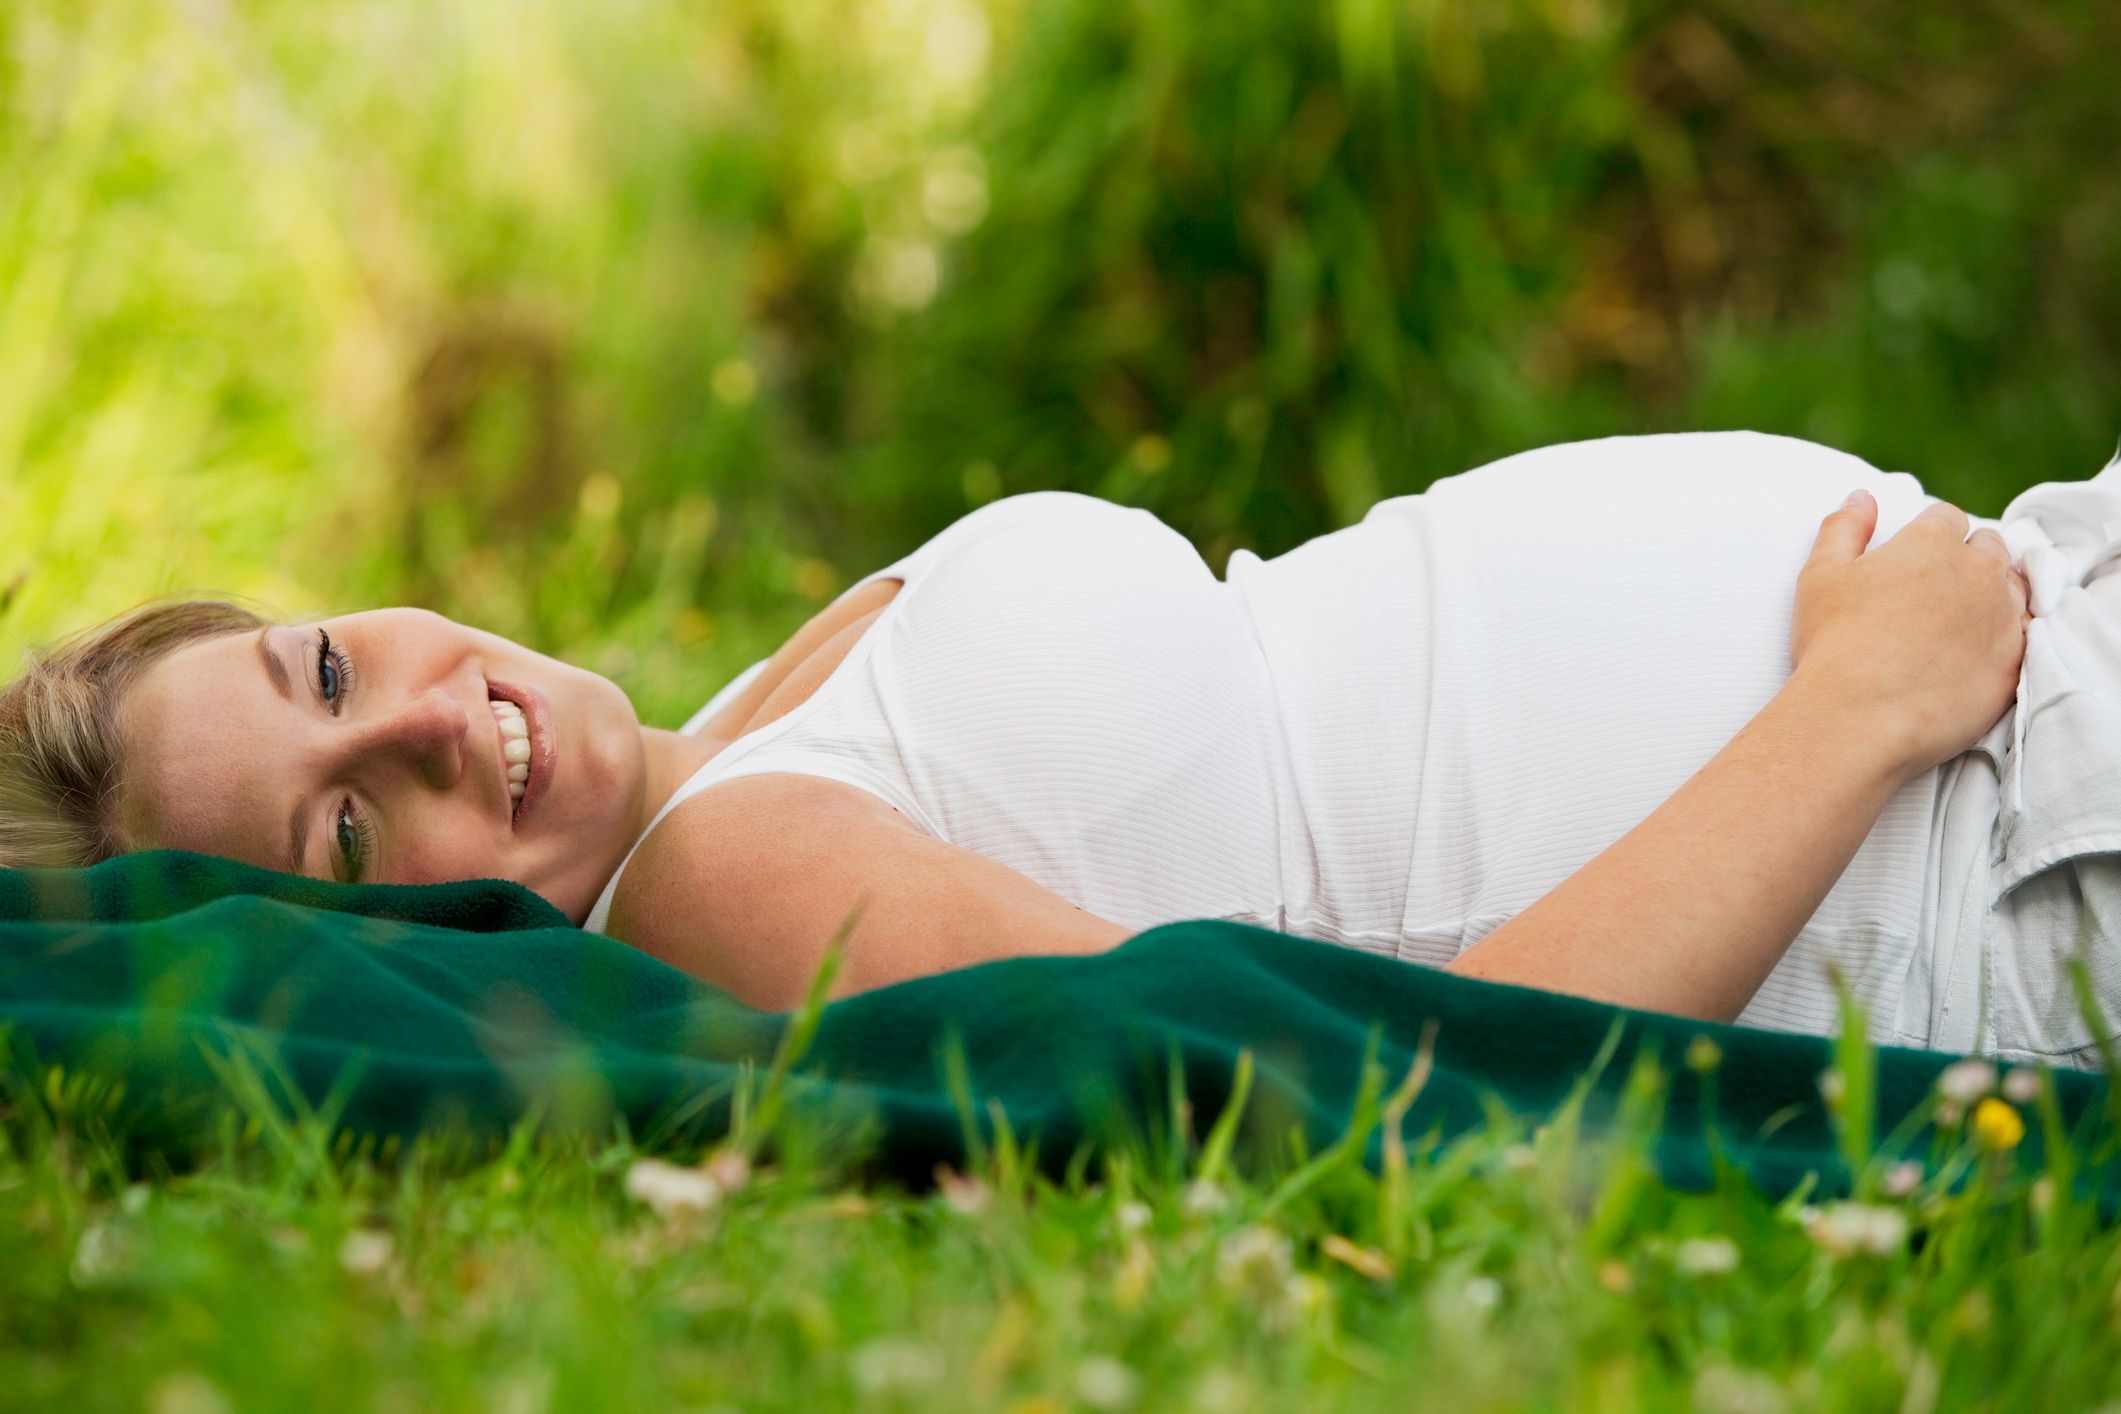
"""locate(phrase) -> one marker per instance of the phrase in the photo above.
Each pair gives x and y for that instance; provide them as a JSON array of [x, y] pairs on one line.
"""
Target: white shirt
[[2035, 808]]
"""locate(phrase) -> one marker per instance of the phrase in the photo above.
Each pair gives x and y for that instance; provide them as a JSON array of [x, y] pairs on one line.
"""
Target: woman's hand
[[1917, 641]]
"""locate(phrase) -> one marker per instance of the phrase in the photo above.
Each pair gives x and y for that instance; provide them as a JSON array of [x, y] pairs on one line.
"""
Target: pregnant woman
[[1647, 719]]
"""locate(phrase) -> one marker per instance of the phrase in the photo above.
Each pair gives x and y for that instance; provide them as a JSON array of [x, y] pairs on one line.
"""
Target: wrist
[[1853, 733]]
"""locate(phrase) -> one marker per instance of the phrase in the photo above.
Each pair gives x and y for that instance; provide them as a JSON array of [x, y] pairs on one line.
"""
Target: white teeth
[[509, 718], [515, 743]]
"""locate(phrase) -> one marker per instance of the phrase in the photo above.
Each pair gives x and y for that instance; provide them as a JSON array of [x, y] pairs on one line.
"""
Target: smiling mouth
[[523, 721]]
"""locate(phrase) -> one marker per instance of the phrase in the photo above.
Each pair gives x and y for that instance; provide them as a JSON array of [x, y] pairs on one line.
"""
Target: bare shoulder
[[711, 865], [746, 884]]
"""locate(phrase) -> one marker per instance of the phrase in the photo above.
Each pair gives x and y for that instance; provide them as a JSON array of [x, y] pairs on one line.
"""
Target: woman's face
[[363, 748]]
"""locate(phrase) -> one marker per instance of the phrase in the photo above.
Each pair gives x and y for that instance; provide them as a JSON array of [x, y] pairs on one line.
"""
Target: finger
[[1944, 515], [1989, 543], [1843, 534]]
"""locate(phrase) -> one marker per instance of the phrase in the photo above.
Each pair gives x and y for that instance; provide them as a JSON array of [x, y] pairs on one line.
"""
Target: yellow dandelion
[[600, 497], [1997, 1127], [694, 627], [735, 381], [1150, 453], [815, 579]]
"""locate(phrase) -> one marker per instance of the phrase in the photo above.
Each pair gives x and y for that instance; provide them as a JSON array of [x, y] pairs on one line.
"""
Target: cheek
[[442, 851], [422, 869], [605, 756]]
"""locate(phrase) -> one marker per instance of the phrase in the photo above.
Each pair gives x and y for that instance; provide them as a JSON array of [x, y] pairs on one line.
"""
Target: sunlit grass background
[[635, 329]]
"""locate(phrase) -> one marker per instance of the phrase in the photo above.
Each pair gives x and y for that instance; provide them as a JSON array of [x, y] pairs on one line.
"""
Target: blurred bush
[[634, 330]]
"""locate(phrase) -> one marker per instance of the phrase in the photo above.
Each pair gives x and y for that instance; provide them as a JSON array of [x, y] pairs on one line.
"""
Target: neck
[[670, 759]]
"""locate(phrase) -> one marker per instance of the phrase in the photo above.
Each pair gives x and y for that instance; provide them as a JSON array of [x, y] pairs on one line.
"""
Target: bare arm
[[1690, 911], [745, 885]]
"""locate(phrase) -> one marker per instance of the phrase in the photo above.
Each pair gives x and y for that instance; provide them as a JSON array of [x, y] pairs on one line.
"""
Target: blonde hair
[[59, 739]]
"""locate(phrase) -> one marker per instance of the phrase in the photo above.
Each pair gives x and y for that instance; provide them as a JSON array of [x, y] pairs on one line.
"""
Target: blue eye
[[334, 673]]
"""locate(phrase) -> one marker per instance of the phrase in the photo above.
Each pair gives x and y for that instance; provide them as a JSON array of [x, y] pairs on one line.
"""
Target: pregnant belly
[[1605, 617]]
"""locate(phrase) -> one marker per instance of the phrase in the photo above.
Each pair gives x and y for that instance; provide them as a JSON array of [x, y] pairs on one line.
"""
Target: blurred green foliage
[[635, 329]]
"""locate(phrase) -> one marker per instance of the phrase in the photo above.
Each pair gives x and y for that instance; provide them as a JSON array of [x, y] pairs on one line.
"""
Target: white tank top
[[1397, 736], [1062, 685]]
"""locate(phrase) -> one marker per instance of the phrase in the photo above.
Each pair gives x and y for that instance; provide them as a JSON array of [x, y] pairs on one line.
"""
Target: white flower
[[1483, 1293], [1963, 1082], [888, 1363], [1104, 1383], [1256, 1258], [1204, 1198], [365, 1251], [2022, 1085], [963, 1193], [104, 1252], [1847, 1229], [1832, 1086], [1132, 1217], [1706, 1256], [1902, 1178], [1520, 1158], [670, 1190]]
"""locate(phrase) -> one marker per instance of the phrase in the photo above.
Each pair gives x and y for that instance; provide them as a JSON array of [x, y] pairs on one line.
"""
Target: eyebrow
[[274, 668], [298, 818]]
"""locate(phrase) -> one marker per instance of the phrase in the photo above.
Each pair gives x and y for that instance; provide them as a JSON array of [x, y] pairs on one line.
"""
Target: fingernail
[[1855, 499]]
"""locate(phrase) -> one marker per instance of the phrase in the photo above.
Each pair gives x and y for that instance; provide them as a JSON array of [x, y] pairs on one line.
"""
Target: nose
[[424, 733]]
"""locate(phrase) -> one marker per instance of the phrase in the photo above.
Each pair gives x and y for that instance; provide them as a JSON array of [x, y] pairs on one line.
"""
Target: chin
[[594, 809]]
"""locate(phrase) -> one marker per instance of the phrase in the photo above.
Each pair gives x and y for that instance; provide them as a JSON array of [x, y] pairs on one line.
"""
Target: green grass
[[1504, 1270], [285, 1264]]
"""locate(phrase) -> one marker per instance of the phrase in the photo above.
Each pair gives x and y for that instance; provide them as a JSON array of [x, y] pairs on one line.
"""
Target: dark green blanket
[[466, 1003]]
